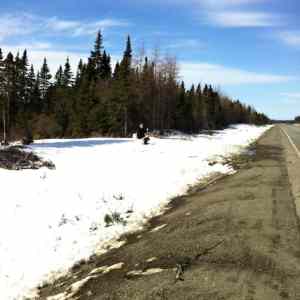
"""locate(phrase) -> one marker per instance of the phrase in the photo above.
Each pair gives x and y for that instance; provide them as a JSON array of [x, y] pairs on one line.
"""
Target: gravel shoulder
[[237, 239], [293, 161]]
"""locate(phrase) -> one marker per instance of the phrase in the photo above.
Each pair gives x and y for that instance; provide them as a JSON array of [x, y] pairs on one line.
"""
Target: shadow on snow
[[79, 143]]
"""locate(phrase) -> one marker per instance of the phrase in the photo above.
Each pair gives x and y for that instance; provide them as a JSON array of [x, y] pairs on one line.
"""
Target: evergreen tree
[[10, 92], [67, 75], [80, 73], [2, 93], [59, 77], [106, 66], [96, 55], [99, 102], [2, 76], [125, 66], [116, 74], [44, 79], [31, 79], [36, 98], [23, 80]]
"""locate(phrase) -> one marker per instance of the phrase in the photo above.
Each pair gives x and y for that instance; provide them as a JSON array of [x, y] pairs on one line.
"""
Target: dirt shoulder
[[237, 239], [293, 165]]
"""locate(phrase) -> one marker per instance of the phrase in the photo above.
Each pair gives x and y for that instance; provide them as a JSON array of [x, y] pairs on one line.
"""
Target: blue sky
[[249, 49]]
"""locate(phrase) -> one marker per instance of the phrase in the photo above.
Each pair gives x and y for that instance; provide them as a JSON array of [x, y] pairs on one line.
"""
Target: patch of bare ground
[[15, 158]]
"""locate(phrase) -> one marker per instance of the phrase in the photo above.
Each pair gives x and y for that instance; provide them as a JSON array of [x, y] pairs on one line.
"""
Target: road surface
[[237, 239]]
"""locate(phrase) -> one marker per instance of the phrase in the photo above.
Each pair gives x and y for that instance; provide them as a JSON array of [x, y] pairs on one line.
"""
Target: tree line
[[103, 100]]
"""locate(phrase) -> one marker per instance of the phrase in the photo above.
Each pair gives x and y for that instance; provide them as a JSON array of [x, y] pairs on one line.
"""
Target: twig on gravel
[[181, 267]]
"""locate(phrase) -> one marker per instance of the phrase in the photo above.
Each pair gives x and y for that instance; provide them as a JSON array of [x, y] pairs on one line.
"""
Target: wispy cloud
[[222, 75], [229, 3], [15, 25], [186, 44], [290, 38], [61, 25], [26, 24], [77, 28], [37, 52], [243, 19], [238, 13], [56, 56]]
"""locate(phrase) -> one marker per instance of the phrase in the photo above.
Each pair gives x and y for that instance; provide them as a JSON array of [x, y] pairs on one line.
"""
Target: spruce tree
[[10, 92], [44, 79], [116, 74], [67, 75], [2, 92], [80, 73], [59, 77], [31, 79], [96, 55], [23, 80], [106, 66], [2, 76], [36, 101], [126, 62]]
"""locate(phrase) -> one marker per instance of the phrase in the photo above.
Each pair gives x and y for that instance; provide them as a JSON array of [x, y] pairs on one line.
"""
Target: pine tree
[[10, 76], [106, 66], [67, 75], [44, 79], [80, 73], [2, 93], [31, 79], [36, 100], [23, 80], [125, 72], [59, 77], [116, 74], [125, 66], [2, 75], [96, 55]]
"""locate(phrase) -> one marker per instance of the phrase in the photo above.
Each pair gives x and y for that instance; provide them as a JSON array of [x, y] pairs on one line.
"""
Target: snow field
[[49, 219]]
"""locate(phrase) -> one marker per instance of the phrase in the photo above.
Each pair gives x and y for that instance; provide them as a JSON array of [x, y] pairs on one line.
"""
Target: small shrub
[[114, 218], [119, 197], [108, 220]]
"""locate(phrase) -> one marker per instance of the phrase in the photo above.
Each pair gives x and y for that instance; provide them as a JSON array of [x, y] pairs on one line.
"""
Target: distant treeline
[[97, 100]]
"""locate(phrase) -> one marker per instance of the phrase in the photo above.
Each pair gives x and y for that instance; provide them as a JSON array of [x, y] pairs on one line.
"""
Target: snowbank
[[49, 219]]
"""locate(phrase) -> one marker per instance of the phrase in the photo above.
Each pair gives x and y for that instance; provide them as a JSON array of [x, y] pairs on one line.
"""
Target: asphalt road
[[293, 131], [236, 239]]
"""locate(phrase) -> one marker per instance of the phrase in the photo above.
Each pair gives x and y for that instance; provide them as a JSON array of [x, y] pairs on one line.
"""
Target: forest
[[102, 99]]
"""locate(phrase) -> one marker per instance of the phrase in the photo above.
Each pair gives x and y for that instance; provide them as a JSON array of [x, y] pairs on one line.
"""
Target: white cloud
[[61, 25], [187, 44], [236, 13], [243, 19], [92, 28], [227, 3], [290, 38], [222, 75], [26, 24], [77, 28], [13, 25], [38, 51]]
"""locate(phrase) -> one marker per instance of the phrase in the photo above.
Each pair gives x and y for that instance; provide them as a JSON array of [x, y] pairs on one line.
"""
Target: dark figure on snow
[[141, 134]]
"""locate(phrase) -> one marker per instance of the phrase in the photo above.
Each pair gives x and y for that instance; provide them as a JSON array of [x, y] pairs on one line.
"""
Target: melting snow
[[49, 219]]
